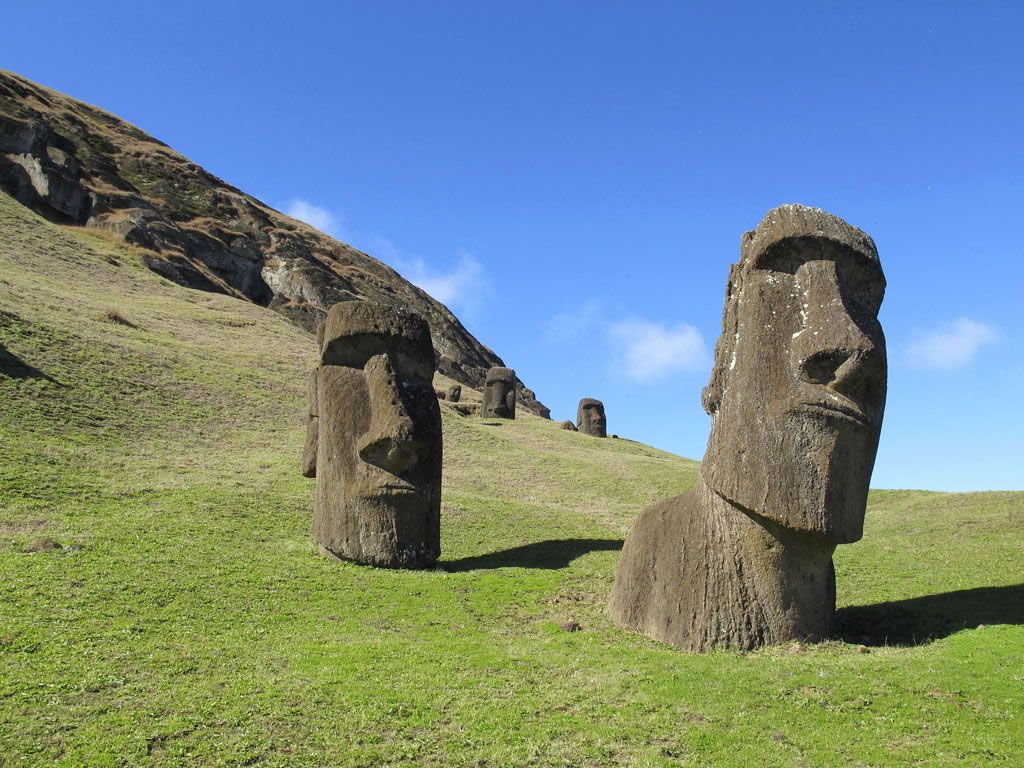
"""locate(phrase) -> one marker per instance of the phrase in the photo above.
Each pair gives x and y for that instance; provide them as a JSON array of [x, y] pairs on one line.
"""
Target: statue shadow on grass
[[14, 367], [551, 554], [921, 620]]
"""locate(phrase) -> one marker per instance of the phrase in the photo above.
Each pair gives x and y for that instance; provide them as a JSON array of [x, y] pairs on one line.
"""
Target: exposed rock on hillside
[[77, 164]]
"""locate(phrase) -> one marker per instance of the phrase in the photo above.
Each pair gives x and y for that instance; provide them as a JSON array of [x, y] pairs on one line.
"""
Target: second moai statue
[[499, 400], [312, 430], [378, 438], [590, 418], [796, 399]]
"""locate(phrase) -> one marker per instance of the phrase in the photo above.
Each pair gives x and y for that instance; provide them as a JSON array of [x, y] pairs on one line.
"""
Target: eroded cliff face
[[77, 164]]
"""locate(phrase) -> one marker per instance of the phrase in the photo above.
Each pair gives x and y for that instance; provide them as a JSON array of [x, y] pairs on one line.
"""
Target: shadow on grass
[[920, 620], [14, 367], [553, 553]]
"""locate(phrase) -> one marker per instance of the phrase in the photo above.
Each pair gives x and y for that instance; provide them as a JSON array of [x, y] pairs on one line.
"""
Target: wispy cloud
[[465, 284], [645, 351], [315, 215], [953, 345], [569, 326], [638, 349]]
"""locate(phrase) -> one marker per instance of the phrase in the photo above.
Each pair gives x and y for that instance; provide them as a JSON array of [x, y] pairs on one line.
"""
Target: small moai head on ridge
[[590, 417], [379, 444], [798, 386], [499, 398]]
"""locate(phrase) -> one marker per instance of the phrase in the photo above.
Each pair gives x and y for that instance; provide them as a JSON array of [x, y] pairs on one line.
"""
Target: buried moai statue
[[499, 400], [796, 398], [312, 430], [377, 438], [590, 418], [453, 393]]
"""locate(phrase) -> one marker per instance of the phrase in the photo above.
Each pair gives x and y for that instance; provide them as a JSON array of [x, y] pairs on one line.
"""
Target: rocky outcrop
[[77, 164]]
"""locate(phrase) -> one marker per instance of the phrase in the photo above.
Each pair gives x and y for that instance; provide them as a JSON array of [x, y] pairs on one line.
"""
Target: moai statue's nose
[[831, 349], [389, 443]]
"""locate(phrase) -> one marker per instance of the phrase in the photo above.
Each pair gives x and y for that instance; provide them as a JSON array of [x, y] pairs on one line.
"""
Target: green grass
[[161, 603]]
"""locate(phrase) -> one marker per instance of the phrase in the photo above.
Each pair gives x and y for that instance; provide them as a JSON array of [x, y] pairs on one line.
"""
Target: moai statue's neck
[[766, 584]]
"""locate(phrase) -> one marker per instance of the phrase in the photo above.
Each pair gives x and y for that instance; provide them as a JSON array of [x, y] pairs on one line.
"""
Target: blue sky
[[573, 178]]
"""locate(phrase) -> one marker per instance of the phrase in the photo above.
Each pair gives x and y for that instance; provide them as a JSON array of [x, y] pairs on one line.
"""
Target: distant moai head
[[454, 393], [590, 417], [499, 394], [379, 448], [798, 387]]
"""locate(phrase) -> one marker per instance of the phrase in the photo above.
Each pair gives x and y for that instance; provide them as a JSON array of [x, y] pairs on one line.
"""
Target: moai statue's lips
[[380, 485], [837, 410], [396, 488]]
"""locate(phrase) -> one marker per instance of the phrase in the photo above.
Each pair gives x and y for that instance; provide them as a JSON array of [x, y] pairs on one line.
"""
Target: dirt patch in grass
[[21, 527], [42, 544], [116, 317]]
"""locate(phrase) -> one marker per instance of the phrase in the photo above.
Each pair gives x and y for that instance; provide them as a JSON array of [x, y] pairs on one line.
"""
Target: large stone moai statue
[[590, 418], [378, 438], [796, 399], [499, 394]]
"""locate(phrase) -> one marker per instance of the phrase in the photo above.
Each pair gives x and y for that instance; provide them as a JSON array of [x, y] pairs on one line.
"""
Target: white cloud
[[315, 216], [566, 327], [465, 284], [954, 345], [645, 351]]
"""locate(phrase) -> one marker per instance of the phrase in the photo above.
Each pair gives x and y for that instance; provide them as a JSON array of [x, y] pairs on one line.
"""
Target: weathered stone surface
[[75, 163], [590, 419], [499, 399], [454, 393], [568, 425], [378, 465], [796, 398], [312, 430], [39, 170]]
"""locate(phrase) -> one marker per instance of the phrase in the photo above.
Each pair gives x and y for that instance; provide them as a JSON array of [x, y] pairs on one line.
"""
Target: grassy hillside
[[161, 603]]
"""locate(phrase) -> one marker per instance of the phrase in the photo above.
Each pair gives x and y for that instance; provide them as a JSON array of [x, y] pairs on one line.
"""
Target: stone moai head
[[454, 393], [590, 417], [378, 465], [499, 394], [798, 387]]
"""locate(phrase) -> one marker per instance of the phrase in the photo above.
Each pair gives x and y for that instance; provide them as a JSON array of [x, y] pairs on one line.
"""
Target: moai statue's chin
[[796, 398], [377, 438], [590, 418], [499, 399]]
